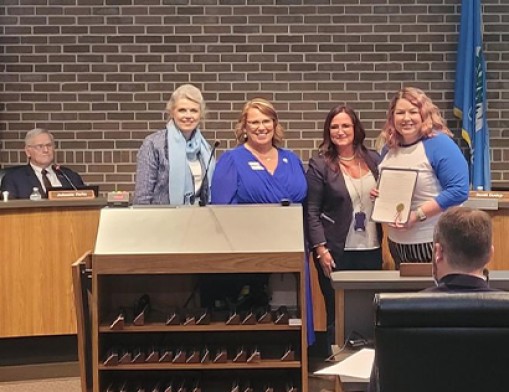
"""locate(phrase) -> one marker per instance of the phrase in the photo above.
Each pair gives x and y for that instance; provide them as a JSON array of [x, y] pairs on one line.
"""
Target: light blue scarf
[[179, 151]]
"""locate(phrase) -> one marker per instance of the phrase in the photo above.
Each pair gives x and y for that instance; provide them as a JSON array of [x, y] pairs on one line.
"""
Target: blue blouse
[[240, 178]]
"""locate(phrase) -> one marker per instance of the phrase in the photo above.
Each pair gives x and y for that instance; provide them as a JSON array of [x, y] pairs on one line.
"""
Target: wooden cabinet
[[195, 356]]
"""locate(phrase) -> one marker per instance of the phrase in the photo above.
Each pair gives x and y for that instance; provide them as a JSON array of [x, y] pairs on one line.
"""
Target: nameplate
[[496, 195], [415, 269], [118, 199], [83, 194]]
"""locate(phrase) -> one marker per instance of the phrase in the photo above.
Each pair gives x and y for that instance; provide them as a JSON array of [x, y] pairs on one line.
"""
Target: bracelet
[[421, 216], [319, 256]]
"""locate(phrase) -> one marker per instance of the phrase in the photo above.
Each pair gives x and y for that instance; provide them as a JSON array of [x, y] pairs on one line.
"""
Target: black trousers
[[350, 260]]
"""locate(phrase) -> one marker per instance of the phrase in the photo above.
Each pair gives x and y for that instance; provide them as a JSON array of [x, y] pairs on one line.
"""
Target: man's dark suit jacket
[[460, 283], [20, 181]]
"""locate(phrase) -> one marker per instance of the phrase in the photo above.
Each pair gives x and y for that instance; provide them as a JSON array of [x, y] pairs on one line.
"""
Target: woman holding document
[[418, 139], [338, 207]]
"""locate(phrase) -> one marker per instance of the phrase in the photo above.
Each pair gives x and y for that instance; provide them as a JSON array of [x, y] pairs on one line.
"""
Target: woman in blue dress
[[259, 171]]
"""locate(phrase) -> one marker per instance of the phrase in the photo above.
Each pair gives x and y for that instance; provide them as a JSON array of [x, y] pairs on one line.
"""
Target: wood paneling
[[319, 314], [37, 249], [500, 239]]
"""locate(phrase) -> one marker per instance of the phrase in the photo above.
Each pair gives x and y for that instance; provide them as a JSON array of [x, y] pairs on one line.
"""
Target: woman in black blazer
[[338, 206]]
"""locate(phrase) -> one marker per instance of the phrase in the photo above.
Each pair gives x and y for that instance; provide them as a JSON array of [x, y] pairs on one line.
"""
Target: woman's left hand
[[412, 220]]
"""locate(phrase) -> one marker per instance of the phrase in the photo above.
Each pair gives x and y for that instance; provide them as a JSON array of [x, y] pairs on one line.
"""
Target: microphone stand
[[56, 169], [204, 200]]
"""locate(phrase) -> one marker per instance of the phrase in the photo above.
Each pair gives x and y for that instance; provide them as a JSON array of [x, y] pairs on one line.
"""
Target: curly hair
[[432, 120], [266, 108]]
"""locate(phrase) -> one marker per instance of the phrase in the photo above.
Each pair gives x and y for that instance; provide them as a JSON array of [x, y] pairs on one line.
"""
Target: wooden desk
[[39, 241], [496, 204], [341, 383], [355, 291]]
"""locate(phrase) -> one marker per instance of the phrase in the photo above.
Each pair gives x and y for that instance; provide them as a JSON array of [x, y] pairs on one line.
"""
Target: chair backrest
[[2, 174], [4, 170], [442, 341]]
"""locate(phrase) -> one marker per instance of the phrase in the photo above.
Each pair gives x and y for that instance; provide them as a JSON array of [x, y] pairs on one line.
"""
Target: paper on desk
[[357, 365]]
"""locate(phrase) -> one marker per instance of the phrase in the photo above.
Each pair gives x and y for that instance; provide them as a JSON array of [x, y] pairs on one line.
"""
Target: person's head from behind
[[40, 147], [186, 108], [343, 133], [258, 125], [463, 242], [411, 116]]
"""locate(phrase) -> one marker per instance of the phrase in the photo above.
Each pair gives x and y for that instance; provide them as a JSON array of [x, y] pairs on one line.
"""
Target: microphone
[[58, 171], [204, 200]]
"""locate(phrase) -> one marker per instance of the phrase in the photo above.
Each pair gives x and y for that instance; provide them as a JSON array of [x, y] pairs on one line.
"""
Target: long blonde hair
[[432, 120]]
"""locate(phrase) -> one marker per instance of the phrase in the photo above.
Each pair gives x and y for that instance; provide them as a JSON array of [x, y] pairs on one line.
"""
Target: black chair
[[450, 342], [2, 174], [4, 170]]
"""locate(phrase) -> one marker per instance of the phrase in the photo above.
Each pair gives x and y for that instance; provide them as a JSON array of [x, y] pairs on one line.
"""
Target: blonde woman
[[258, 170], [417, 138]]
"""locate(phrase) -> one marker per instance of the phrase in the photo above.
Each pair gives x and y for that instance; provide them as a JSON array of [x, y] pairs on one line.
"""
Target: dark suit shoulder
[[318, 162], [19, 181], [17, 170], [17, 173], [374, 155], [74, 176]]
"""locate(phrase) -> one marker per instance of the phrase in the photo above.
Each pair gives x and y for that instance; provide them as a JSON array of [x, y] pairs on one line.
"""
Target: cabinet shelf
[[264, 364], [212, 327]]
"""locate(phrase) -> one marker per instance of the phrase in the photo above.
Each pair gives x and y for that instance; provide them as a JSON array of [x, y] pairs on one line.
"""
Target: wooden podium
[[496, 204], [160, 254]]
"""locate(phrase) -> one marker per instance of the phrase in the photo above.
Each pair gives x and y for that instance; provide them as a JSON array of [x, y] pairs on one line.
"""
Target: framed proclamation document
[[395, 188]]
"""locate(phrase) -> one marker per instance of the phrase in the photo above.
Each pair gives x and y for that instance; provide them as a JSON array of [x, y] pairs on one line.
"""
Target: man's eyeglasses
[[256, 124], [40, 147]]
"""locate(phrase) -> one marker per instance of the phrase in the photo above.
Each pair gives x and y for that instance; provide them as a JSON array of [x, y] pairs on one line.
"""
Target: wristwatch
[[420, 214]]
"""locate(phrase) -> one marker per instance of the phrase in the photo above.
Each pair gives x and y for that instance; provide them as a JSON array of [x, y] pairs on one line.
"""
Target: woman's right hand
[[326, 261], [373, 193]]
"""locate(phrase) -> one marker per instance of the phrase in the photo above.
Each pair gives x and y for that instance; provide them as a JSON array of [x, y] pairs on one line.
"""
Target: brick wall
[[98, 72]]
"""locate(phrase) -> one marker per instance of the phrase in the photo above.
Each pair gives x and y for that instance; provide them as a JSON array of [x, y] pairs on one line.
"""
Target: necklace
[[262, 157], [351, 178], [347, 158], [269, 156]]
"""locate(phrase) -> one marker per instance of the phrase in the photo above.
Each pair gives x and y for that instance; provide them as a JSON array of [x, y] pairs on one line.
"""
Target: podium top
[[212, 229]]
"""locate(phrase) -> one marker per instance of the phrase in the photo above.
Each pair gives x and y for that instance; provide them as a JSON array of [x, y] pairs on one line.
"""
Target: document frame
[[395, 188]]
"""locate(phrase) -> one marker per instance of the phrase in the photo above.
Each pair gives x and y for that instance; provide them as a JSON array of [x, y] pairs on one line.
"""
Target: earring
[[244, 135]]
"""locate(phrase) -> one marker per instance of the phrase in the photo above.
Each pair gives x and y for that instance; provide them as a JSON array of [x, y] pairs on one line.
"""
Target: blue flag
[[470, 93]]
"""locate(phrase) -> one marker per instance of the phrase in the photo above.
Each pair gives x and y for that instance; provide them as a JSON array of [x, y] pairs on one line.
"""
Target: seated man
[[40, 171], [462, 247]]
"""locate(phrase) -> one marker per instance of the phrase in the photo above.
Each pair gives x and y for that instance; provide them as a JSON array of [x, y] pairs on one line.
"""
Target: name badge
[[256, 165]]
